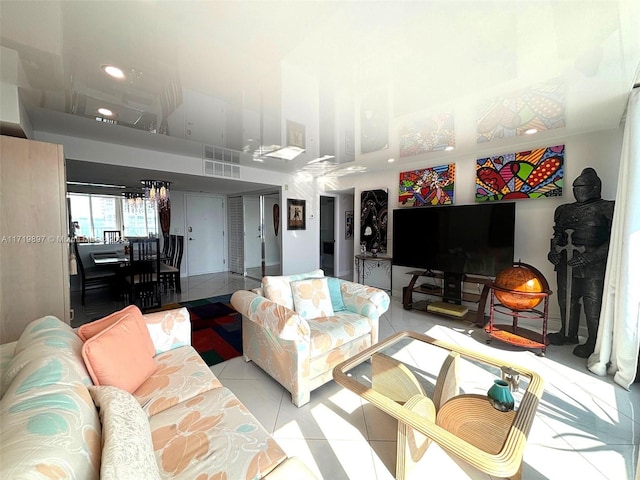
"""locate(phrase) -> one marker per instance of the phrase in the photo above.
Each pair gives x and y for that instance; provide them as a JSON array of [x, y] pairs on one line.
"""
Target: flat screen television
[[455, 239]]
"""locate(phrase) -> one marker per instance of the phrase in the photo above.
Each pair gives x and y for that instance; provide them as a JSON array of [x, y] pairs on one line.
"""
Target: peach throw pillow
[[121, 355], [88, 330]]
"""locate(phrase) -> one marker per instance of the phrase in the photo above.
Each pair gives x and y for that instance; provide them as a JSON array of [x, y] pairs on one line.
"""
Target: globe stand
[[520, 306]]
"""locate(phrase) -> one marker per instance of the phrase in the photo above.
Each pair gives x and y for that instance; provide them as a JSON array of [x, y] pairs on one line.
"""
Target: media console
[[451, 292]]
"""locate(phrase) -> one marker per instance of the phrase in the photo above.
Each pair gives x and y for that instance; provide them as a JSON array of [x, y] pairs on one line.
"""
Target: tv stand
[[452, 292], [452, 289]]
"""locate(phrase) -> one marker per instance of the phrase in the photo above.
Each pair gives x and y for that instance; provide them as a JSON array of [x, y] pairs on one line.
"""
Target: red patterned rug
[[216, 328]]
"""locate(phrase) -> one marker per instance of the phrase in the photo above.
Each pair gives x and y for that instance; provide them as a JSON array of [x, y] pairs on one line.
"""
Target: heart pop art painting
[[529, 174]]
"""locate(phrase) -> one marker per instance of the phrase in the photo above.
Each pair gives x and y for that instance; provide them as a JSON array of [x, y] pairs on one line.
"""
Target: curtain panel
[[618, 343]]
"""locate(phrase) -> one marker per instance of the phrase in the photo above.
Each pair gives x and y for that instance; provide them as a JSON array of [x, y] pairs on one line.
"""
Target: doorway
[[204, 242], [327, 235], [262, 241]]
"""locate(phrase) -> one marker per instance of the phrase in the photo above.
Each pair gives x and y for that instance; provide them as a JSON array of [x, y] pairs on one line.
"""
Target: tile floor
[[587, 427]]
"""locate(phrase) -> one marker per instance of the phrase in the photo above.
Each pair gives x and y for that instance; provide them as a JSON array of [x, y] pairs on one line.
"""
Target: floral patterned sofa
[[297, 328], [179, 422]]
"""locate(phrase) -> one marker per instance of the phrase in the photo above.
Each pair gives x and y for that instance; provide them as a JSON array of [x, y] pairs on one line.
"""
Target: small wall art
[[374, 219], [428, 186], [296, 214], [348, 225], [529, 174], [296, 135]]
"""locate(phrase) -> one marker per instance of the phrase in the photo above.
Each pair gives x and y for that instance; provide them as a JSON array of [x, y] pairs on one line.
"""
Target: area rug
[[216, 328]]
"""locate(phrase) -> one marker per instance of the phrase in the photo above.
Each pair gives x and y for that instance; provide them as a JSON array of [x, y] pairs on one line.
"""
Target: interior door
[[204, 245], [327, 235]]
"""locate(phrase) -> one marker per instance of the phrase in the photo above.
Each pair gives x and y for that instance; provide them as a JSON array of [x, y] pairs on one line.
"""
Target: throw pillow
[[88, 330], [335, 294], [121, 355], [311, 298], [127, 447], [278, 288]]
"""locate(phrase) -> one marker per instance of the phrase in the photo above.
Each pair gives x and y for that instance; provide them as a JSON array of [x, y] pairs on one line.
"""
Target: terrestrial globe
[[518, 286]]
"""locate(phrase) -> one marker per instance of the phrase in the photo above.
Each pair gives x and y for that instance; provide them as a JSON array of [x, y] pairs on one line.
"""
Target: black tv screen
[[461, 239]]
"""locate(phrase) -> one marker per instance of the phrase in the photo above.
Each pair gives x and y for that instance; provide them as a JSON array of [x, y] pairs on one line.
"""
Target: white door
[[204, 238]]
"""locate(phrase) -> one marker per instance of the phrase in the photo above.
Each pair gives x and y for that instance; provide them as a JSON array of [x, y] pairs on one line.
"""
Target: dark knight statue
[[579, 250]]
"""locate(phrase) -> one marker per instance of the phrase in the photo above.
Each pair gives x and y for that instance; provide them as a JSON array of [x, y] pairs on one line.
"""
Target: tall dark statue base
[[578, 251]]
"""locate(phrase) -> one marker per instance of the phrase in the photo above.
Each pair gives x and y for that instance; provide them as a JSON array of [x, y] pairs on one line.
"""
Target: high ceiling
[[428, 55]]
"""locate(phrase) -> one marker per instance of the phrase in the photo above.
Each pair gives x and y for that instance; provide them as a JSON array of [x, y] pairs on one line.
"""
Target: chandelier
[[134, 202], [156, 191]]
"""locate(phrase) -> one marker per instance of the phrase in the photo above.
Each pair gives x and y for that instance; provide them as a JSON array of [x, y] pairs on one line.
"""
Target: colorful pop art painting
[[530, 174], [428, 186], [540, 106], [428, 135]]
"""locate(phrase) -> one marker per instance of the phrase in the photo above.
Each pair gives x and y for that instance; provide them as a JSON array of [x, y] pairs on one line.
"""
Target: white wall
[[534, 217], [300, 103], [272, 243]]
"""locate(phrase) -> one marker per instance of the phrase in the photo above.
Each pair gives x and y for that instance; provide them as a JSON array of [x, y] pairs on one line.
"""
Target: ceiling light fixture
[[448, 148], [286, 153], [113, 71], [89, 184], [531, 131], [134, 201], [156, 191], [105, 111], [391, 160]]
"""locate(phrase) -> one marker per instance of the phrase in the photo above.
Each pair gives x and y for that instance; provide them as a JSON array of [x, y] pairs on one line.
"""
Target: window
[[93, 214], [139, 221]]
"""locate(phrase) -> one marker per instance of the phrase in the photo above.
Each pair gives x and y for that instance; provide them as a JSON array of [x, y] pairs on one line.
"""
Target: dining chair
[[165, 245], [93, 277], [170, 269], [143, 273], [112, 236]]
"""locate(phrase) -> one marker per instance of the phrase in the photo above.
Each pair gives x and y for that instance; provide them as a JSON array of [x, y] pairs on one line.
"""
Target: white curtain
[[616, 351]]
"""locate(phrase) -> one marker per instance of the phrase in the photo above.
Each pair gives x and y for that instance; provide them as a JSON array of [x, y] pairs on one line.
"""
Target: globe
[[519, 278]]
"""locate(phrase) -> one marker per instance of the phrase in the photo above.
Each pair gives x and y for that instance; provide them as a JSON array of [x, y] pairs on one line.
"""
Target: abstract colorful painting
[[530, 174], [429, 186], [374, 205], [539, 106], [427, 135]]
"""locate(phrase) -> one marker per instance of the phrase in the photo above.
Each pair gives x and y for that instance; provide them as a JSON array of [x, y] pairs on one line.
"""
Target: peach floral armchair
[[297, 330]]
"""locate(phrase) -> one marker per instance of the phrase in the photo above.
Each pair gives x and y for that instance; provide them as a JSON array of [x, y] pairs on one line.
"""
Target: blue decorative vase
[[500, 396]]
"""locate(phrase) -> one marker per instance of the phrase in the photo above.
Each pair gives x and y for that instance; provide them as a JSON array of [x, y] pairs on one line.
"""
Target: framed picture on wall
[[348, 224], [296, 214], [295, 135]]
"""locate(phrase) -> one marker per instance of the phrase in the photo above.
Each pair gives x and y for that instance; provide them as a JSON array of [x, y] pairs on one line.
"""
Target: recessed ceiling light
[[448, 148], [105, 111], [391, 160], [112, 71], [531, 131]]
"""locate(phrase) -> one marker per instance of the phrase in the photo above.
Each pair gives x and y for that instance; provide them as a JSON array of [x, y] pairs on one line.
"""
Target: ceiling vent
[[217, 169], [219, 154]]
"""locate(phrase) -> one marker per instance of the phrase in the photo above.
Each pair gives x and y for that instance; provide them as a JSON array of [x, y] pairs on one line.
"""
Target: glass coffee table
[[438, 393]]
